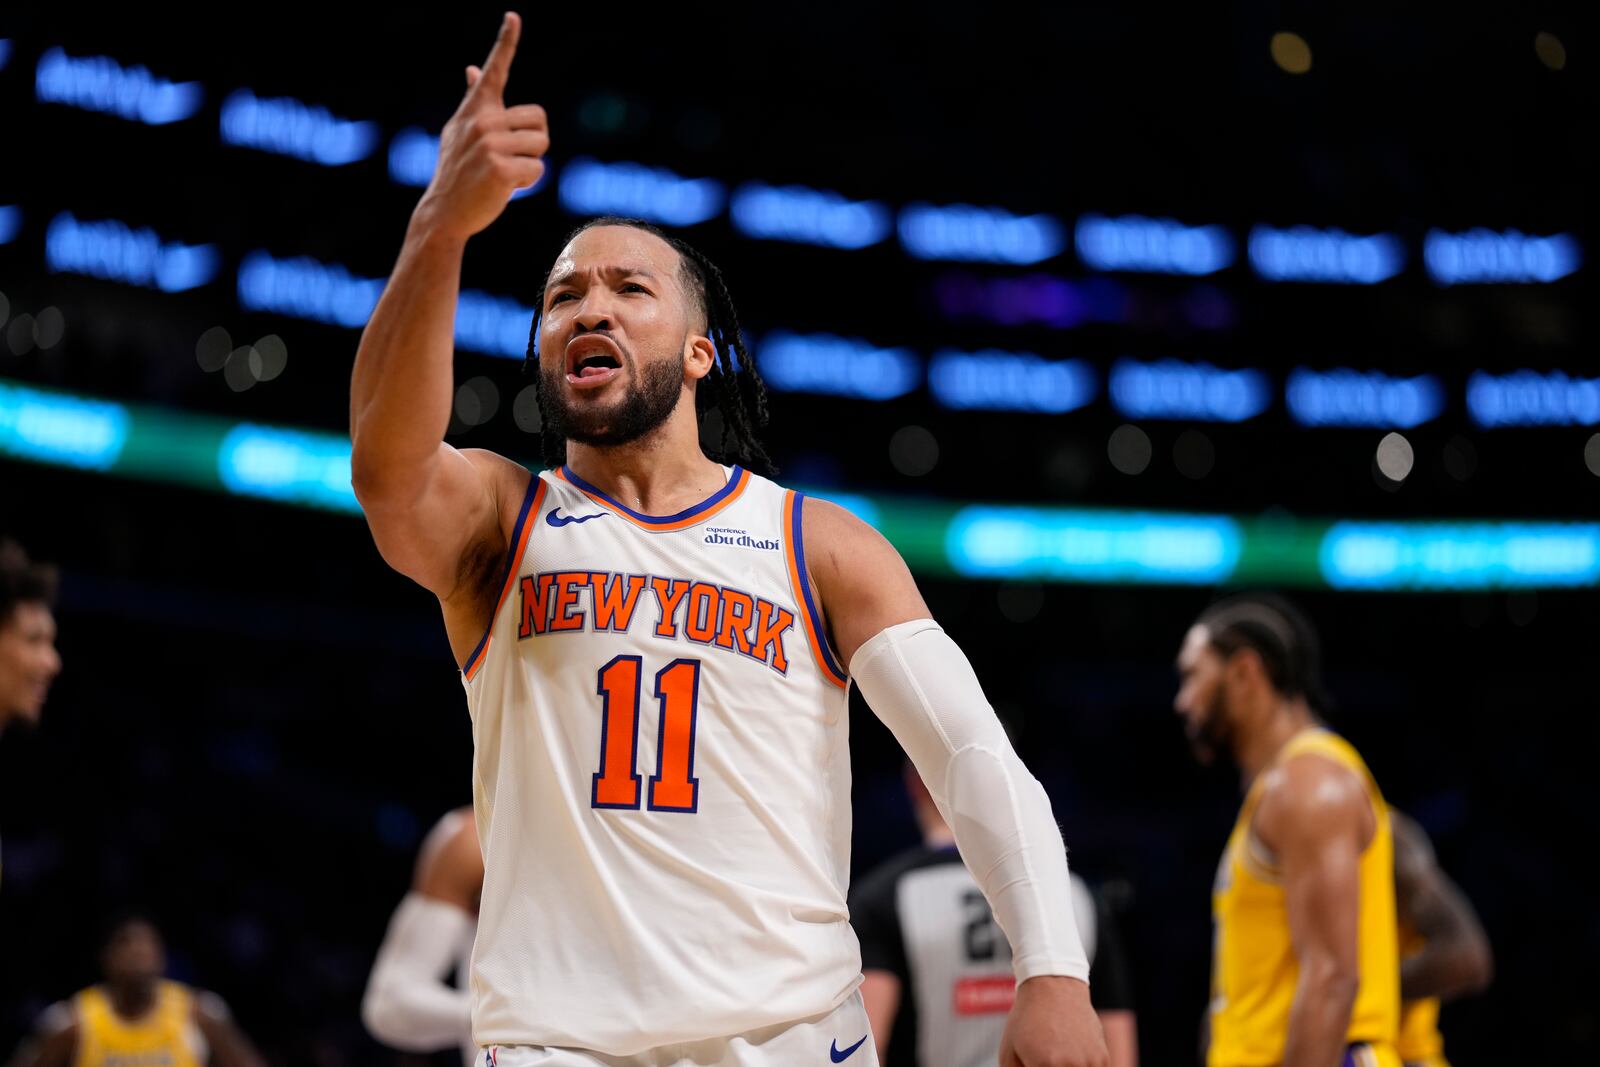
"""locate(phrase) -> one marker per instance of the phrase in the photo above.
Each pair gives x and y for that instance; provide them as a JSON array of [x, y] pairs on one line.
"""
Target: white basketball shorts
[[839, 1037]]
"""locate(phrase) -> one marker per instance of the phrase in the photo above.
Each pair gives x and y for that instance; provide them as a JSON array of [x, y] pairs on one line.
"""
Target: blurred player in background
[[29, 661], [657, 649], [137, 1017], [409, 1003], [1444, 952], [937, 971], [1306, 961]]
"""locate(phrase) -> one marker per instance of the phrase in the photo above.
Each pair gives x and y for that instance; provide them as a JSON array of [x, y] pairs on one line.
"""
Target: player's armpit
[[863, 585], [1316, 817]]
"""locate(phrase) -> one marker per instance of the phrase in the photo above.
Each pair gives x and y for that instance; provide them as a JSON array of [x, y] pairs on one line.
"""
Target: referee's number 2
[[673, 787]]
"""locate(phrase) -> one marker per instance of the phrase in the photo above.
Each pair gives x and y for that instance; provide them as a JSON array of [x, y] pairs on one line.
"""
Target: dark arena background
[[1094, 311]]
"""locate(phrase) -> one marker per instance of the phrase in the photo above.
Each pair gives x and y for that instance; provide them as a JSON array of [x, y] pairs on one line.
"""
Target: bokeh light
[[913, 451], [1551, 52], [1395, 457], [1129, 449], [1291, 53], [212, 349]]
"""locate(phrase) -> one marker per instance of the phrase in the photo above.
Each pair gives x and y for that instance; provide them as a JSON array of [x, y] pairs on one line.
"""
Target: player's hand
[[488, 150], [1052, 1024]]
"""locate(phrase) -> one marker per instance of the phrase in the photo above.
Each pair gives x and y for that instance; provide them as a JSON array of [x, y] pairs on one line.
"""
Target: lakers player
[[1306, 964], [29, 661], [1444, 952], [656, 646], [138, 1017], [409, 1004]]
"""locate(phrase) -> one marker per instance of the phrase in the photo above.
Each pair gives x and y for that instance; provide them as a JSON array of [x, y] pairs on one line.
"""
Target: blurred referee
[[937, 969]]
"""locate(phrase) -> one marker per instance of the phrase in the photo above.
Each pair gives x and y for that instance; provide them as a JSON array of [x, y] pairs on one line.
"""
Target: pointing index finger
[[497, 68]]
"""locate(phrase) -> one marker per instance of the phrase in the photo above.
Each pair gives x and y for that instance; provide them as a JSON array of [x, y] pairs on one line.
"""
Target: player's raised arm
[[922, 687], [427, 503]]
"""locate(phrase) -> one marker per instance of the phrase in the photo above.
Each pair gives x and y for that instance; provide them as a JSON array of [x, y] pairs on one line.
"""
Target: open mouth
[[589, 366], [592, 359]]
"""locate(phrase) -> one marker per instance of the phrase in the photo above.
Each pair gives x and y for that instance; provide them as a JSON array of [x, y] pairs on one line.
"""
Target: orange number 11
[[673, 787]]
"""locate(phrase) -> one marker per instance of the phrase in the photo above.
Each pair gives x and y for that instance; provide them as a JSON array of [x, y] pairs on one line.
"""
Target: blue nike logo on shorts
[[557, 520], [840, 1055]]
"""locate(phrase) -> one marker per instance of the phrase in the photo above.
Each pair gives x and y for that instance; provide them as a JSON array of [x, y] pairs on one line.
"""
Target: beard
[[1212, 737], [649, 401]]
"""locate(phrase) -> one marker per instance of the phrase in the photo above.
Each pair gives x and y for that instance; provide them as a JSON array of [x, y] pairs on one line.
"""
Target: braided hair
[[736, 391], [1280, 634]]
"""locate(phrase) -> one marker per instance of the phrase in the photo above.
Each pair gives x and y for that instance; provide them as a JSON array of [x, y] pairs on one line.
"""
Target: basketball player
[[1444, 952], [937, 980], [656, 647], [409, 1004], [1306, 963], [138, 1017], [29, 661]]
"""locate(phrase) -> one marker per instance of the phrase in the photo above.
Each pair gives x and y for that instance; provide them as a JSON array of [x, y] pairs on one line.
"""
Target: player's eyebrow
[[621, 270]]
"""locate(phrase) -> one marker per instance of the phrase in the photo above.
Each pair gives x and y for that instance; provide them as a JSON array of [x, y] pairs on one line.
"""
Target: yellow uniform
[[1254, 970], [1420, 1044], [165, 1036]]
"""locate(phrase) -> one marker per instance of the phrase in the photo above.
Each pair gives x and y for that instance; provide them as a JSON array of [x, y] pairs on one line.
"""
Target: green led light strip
[[965, 539]]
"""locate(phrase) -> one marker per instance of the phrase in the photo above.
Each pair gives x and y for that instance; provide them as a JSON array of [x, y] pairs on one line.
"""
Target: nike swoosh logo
[[840, 1055], [558, 520]]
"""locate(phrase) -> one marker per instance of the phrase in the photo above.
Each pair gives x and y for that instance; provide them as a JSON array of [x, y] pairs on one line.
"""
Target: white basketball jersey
[[661, 776]]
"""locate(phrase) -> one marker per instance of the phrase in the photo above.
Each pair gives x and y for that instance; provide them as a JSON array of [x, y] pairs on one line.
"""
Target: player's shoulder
[[825, 521], [1310, 794], [62, 1015]]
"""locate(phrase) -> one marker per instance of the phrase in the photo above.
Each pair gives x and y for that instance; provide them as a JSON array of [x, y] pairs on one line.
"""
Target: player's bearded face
[[650, 392], [1202, 697], [1209, 732]]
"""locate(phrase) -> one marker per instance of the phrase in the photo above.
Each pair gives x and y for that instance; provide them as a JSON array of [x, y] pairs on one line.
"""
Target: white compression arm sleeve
[[407, 1004], [922, 687]]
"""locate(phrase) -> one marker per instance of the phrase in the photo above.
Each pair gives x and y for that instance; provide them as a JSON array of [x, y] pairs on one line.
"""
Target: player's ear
[[1245, 667], [699, 356]]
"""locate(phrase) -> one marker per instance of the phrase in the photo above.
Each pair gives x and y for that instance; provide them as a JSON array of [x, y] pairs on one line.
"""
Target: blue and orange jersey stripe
[[519, 543], [738, 480], [794, 551]]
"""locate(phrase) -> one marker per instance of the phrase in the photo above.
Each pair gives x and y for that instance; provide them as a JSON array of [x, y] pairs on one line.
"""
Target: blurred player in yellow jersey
[[137, 1017], [1444, 951], [1306, 960]]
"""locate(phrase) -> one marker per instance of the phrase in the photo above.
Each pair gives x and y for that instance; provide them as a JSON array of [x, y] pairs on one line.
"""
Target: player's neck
[[1257, 748], [660, 474], [134, 1001]]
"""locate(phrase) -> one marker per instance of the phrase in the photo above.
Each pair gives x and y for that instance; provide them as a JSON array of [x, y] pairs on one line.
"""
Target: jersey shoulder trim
[[795, 556], [531, 501], [738, 481]]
